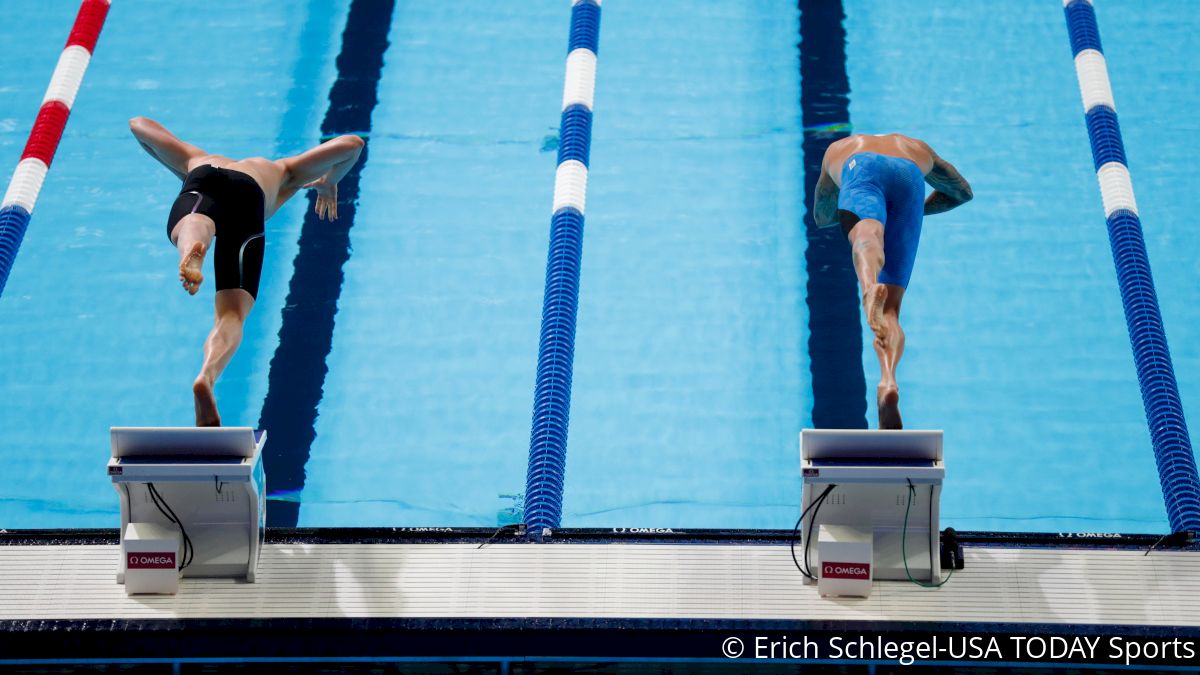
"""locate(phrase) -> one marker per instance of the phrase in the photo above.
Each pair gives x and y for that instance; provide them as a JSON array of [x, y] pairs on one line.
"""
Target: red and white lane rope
[[47, 130]]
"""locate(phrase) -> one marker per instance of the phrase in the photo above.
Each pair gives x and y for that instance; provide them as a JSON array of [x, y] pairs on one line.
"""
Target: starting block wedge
[[205, 484], [888, 491]]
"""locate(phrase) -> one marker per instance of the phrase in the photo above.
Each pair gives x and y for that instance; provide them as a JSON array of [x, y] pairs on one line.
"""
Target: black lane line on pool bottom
[[297, 375], [835, 345]]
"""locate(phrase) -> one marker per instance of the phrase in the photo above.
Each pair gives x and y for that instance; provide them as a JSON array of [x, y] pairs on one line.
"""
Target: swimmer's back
[[267, 173], [892, 145]]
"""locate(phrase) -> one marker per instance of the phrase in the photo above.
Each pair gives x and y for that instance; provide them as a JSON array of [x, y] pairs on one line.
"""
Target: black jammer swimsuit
[[234, 201]]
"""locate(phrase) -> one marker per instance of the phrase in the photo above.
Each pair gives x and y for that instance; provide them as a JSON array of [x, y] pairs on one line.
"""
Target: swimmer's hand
[[326, 206]]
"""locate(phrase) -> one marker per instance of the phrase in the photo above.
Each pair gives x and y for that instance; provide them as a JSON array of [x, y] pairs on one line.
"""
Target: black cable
[[165, 509], [154, 499], [792, 544], [515, 527], [161, 503], [796, 531], [812, 521], [932, 532], [1155, 544], [912, 492]]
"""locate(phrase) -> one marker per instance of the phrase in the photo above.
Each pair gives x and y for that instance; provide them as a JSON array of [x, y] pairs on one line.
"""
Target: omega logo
[[151, 561], [845, 571]]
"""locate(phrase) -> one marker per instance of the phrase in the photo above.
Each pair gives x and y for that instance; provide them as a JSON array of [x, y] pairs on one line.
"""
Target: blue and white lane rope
[[1156, 376], [556, 349]]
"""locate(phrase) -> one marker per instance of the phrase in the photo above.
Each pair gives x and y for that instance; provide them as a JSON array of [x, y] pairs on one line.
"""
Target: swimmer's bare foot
[[889, 407], [873, 301], [190, 267], [206, 403]]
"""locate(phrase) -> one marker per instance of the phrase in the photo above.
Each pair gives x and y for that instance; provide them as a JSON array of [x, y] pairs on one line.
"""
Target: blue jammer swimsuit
[[892, 191]]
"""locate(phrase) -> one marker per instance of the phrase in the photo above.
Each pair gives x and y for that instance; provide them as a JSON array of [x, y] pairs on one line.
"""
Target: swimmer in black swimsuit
[[229, 201]]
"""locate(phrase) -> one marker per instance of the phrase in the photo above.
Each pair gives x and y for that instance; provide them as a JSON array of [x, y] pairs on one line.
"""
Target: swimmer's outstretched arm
[[164, 146], [320, 169], [950, 189]]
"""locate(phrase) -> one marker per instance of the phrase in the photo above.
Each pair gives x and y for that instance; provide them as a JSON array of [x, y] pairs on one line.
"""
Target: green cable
[[904, 545]]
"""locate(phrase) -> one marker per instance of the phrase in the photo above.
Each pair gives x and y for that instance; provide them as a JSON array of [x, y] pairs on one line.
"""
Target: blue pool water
[[704, 340]]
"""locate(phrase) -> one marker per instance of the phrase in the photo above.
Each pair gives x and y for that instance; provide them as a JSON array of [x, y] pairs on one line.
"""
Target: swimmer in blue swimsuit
[[229, 201], [874, 187]]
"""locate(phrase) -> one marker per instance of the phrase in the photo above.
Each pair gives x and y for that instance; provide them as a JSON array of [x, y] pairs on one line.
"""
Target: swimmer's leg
[[866, 244], [889, 354], [192, 236], [232, 307]]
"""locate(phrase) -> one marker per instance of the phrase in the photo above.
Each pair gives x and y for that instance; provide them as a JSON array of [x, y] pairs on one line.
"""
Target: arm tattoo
[[946, 179], [940, 202], [825, 203]]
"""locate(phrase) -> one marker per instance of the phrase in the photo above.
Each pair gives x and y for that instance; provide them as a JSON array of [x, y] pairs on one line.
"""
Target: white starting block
[[862, 519], [208, 479]]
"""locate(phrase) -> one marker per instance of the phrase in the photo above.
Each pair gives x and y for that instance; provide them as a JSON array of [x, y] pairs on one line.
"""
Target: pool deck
[[365, 598], [699, 581]]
